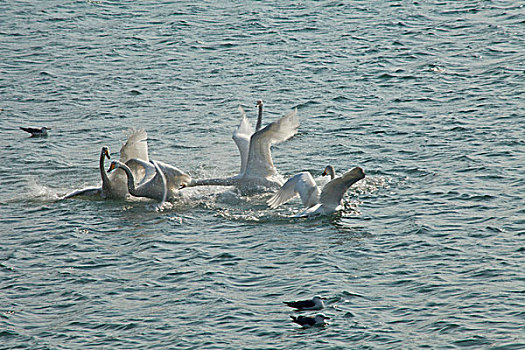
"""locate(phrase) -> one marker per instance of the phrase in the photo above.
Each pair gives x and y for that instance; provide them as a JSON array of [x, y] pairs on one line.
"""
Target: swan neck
[[131, 179], [259, 118], [163, 180], [212, 182], [103, 173]]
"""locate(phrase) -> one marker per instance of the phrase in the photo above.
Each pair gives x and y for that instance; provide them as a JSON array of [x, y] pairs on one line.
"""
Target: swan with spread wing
[[114, 185], [257, 169], [317, 201]]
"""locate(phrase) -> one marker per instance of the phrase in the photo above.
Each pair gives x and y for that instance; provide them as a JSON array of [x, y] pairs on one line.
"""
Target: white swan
[[316, 201], [243, 133], [114, 185], [257, 168], [175, 178], [154, 188], [94, 191]]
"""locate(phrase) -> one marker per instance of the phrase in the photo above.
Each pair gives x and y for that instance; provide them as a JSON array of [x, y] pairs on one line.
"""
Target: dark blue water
[[427, 97]]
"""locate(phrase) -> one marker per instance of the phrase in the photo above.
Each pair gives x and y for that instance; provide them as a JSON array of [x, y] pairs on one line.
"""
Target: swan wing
[[142, 171], [174, 176], [333, 192], [315, 210], [241, 136], [135, 147], [302, 184], [89, 191], [260, 162]]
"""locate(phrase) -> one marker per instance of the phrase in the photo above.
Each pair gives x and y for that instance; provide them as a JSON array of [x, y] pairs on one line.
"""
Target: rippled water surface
[[427, 97]]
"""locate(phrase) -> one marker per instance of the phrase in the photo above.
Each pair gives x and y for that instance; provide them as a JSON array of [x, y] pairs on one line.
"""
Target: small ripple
[[474, 341], [509, 346]]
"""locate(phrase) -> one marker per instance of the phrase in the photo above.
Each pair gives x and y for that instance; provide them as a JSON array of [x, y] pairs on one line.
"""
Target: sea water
[[426, 97]]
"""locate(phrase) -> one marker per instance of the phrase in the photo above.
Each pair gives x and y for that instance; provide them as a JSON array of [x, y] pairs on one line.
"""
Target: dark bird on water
[[316, 303], [37, 131], [307, 321]]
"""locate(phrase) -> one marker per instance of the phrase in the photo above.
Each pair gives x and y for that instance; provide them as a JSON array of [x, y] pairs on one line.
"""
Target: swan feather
[[260, 162], [241, 136], [136, 146], [302, 184], [333, 192]]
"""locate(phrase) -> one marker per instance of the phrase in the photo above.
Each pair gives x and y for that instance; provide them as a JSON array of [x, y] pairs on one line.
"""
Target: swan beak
[[182, 185], [324, 173], [106, 153]]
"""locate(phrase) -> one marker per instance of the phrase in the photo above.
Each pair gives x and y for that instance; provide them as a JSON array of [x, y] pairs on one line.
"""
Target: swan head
[[105, 152], [186, 180], [45, 128], [114, 165], [259, 103], [329, 170]]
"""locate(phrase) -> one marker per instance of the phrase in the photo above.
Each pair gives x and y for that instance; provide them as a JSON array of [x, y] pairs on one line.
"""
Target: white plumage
[[317, 202], [257, 169], [114, 185]]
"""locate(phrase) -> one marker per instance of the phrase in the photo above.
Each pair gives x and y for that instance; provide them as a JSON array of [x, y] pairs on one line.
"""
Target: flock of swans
[[135, 174]]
